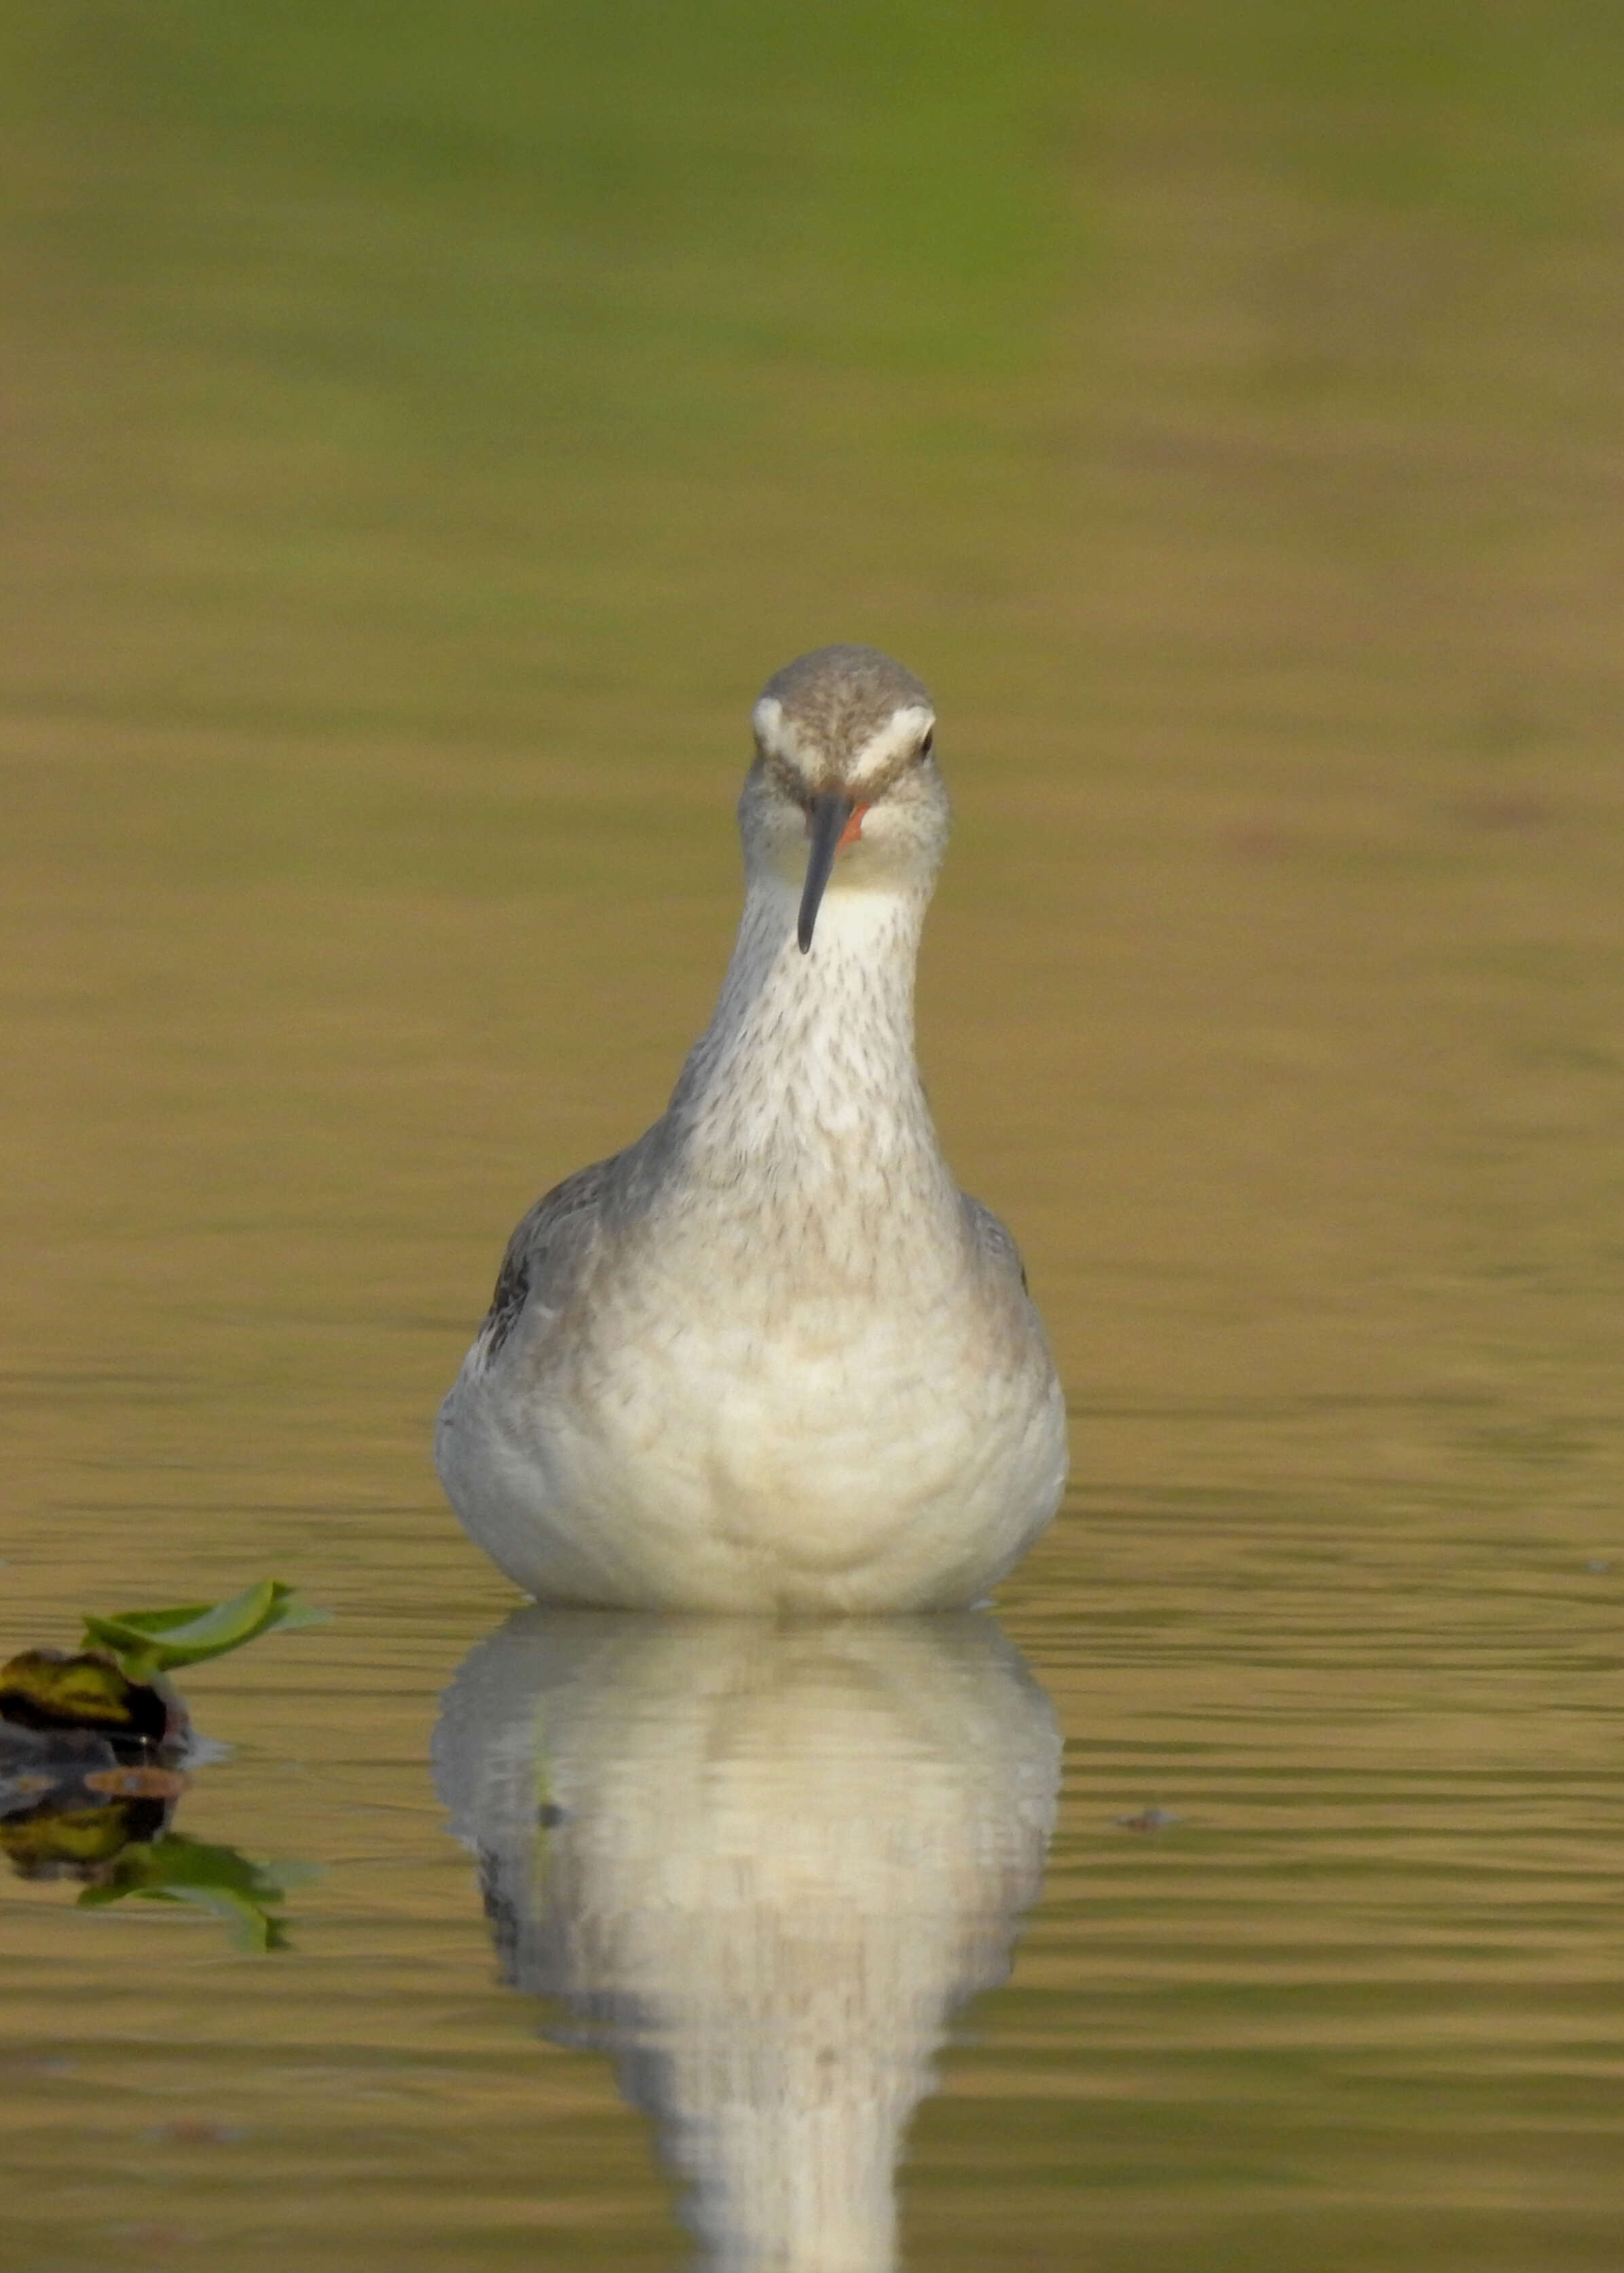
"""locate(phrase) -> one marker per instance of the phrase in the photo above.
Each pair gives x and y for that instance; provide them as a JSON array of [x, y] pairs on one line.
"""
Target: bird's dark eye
[[924, 748]]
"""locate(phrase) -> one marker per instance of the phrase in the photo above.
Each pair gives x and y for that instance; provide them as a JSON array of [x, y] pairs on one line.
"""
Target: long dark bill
[[830, 815]]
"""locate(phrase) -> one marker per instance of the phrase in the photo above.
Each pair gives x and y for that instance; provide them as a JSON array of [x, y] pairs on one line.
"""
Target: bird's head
[[844, 792]]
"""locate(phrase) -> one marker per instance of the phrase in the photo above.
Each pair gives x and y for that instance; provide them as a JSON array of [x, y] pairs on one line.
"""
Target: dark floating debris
[[96, 1747], [1148, 1818], [46, 1689]]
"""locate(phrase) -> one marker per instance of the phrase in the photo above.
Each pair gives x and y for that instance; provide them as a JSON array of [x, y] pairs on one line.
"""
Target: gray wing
[[544, 1250], [997, 1248]]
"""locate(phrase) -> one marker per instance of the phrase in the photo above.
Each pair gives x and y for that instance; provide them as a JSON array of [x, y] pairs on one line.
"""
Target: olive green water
[[426, 429]]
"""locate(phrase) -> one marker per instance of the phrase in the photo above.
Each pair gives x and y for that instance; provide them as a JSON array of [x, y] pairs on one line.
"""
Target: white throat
[[808, 1066]]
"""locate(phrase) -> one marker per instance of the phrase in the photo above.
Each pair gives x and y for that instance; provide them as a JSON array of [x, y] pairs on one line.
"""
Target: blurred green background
[[530, 374]]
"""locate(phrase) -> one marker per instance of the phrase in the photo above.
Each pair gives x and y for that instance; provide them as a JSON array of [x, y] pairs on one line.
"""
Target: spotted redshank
[[770, 1358]]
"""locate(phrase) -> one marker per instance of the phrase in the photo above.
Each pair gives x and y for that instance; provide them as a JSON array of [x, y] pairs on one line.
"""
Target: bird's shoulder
[[546, 1241]]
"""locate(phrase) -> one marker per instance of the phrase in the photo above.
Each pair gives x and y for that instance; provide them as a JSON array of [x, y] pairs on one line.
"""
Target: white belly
[[850, 1464]]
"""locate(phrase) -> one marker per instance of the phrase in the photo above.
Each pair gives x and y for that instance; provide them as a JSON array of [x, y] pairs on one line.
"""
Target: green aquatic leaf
[[250, 1927], [217, 1879], [158, 1641]]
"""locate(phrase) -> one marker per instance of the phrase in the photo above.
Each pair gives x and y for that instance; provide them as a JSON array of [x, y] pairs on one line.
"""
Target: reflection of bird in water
[[770, 1357], [765, 1863]]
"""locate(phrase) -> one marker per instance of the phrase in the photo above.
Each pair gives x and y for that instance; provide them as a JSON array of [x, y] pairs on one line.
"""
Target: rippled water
[[407, 524]]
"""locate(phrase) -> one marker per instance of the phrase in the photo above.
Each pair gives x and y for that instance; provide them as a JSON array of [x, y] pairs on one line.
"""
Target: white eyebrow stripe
[[778, 735], [767, 720], [900, 737], [897, 739]]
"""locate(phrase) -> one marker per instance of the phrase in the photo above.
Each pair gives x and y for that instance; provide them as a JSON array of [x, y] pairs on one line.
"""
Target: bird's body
[[770, 1358]]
